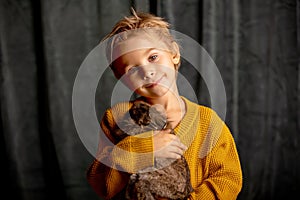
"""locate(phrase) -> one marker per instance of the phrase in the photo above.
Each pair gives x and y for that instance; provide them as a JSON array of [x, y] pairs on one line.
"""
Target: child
[[145, 57]]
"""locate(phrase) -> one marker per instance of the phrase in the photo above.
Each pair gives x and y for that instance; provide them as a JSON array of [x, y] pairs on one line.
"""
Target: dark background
[[255, 45]]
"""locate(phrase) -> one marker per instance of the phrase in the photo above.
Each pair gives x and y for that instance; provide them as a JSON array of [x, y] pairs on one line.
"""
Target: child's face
[[150, 72]]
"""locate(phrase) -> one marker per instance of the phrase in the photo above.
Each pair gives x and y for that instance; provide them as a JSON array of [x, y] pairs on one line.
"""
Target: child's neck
[[168, 101]]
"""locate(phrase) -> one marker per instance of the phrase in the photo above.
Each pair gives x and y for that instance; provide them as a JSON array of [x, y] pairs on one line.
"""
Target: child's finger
[[180, 146]]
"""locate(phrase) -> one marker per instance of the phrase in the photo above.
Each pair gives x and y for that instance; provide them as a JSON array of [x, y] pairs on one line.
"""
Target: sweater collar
[[188, 124]]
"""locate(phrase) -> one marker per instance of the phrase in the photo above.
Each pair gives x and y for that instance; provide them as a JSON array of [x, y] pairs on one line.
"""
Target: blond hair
[[140, 20]]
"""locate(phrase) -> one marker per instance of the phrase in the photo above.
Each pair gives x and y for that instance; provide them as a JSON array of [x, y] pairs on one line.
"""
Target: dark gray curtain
[[255, 45]]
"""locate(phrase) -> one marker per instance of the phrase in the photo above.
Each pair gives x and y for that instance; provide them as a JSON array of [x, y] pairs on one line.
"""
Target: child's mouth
[[153, 84]]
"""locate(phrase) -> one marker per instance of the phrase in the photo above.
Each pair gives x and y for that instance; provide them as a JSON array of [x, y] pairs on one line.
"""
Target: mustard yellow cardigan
[[211, 155]]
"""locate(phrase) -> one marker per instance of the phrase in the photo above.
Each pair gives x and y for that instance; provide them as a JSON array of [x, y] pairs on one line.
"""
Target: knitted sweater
[[211, 155]]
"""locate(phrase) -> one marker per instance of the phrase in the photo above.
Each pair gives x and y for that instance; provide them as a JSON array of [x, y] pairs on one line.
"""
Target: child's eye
[[153, 57]]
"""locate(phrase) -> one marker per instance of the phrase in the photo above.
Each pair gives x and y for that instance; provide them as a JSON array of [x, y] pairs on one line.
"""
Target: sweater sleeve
[[223, 170], [116, 160]]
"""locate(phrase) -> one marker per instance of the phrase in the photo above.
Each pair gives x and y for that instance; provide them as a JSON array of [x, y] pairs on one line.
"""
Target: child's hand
[[167, 145]]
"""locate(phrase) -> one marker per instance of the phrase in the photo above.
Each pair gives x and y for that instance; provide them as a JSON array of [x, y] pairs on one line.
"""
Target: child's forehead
[[136, 40], [134, 44]]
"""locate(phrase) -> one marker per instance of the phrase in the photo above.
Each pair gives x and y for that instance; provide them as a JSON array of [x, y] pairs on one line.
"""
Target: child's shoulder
[[205, 111], [120, 108], [124, 105], [194, 105]]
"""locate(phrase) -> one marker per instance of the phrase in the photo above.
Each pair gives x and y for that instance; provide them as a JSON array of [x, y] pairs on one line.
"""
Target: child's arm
[[223, 170], [108, 174], [106, 181]]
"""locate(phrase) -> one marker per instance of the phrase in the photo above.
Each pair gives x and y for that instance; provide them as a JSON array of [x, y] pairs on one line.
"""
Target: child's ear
[[176, 59], [176, 54]]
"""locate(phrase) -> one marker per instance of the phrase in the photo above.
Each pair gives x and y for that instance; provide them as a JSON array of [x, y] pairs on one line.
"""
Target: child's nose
[[147, 73]]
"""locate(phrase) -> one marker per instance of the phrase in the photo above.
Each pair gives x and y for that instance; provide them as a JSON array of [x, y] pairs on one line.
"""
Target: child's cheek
[[132, 84]]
